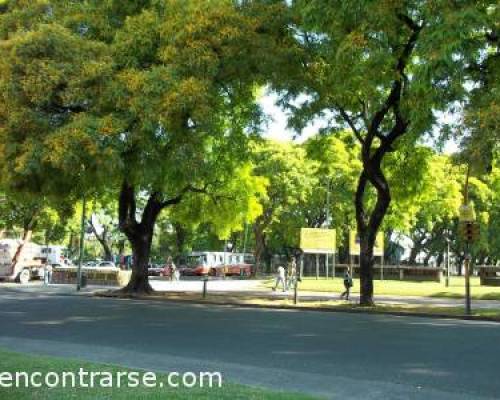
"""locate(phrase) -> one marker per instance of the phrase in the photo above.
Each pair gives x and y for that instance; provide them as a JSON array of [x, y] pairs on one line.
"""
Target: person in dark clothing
[[347, 286]]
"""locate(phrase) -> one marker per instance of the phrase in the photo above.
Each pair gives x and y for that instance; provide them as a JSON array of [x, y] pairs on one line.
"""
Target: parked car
[[155, 270], [106, 265], [90, 264]]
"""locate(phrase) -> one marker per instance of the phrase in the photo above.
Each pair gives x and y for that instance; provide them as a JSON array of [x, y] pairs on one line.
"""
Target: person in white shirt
[[280, 278]]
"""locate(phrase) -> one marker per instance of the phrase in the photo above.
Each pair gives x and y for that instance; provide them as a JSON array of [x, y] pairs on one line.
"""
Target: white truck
[[54, 255], [20, 261]]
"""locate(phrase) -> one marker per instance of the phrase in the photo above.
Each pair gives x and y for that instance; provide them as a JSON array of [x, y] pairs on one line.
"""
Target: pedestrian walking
[[280, 278], [292, 273], [172, 269], [347, 285]]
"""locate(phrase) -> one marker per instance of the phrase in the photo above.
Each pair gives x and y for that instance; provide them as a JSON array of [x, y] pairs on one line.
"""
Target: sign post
[[326, 266], [469, 230]]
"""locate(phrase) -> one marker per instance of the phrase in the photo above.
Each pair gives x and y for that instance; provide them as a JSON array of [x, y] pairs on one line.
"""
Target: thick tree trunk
[[140, 236], [368, 225], [366, 262], [141, 248]]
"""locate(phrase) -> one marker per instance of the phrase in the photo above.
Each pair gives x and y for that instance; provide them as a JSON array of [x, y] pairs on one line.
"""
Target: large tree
[[155, 99], [382, 69]]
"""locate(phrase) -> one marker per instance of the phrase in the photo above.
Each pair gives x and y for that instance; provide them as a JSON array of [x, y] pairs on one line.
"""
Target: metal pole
[[317, 266], [205, 280], [225, 247], [301, 270], [467, 255], [295, 292], [333, 266], [326, 265], [328, 203], [382, 268], [224, 266], [82, 238], [467, 280], [448, 263], [349, 269]]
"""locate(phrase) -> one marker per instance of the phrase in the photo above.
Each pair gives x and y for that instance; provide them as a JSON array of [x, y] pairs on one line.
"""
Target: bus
[[217, 263]]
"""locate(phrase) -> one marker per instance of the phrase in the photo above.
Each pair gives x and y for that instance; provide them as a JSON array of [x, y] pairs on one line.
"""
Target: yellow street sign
[[355, 248], [318, 241]]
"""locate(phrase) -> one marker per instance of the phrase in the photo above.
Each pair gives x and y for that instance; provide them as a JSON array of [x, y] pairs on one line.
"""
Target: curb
[[292, 308]]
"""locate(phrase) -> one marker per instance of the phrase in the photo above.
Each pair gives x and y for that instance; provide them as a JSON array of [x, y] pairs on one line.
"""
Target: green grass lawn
[[12, 362], [404, 288]]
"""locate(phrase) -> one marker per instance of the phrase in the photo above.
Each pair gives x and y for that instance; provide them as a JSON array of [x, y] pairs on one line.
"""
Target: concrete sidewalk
[[252, 288], [256, 288]]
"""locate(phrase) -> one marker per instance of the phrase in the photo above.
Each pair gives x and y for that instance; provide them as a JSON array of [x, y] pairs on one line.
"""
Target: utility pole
[[447, 262], [82, 238], [328, 196], [467, 280]]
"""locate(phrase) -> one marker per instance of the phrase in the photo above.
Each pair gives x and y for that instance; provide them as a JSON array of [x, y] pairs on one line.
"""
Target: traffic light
[[470, 231]]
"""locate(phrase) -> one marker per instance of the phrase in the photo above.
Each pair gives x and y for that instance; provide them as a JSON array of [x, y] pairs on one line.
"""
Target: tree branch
[[188, 188], [127, 208], [351, 124], [395, 94]]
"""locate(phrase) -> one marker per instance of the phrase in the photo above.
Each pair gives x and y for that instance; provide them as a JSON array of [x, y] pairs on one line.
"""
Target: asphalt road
[[334, 355]]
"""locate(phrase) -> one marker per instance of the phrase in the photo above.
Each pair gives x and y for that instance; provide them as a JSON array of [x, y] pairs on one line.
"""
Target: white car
[[90, 264], [106, 265]]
